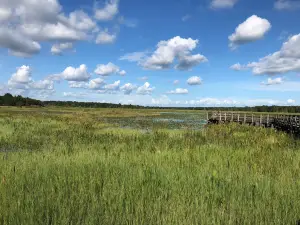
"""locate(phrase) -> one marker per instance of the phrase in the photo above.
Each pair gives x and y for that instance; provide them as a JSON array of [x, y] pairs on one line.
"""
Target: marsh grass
[[73, 169]]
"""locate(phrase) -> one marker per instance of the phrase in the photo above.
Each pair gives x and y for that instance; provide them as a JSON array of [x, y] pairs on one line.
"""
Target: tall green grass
[[75, 170]]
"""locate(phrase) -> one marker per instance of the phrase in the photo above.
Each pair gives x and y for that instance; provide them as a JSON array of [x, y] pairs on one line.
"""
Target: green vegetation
[[9, 100], [66, 166]]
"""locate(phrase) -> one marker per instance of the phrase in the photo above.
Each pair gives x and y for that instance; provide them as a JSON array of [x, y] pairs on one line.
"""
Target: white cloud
[[5, 14], [291, 101], [222, 4], [175, 82], [163, 100], [18, 44], [74, 94], [57, 49], [105, 38], [128, 88], [253, 29], [23, 75], [42, 84], [78, 84], [81, 21], [122, 72], [108, 69], [287, 4], [186, 18], [112, 87], [283, 61], [96, 83], [179, 91], [52, 32], [145, 89], [22, 79], [25, 23], [194, 80], [274, 81], [238, 67], [176, 49], [135, 56], [108, 12], [76, 74]]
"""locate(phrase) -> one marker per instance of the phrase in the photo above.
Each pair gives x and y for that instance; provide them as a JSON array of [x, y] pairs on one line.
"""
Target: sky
[[152, 52]]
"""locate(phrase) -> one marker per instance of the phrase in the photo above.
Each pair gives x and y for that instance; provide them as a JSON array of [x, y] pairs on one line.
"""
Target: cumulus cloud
[[5, 14], [96, 83], [22, 79], [287, 59], [222, 4], [18, 44], [291, 101], [76, 74], [274, 81], [122, 72], [78, 84], [287, 4], [104, 37], [238, 67], [42, 85], [179, 91], [25, 23], [112, 87], [174, 50], [128, 88], [108, 69], [23, 75], [108, 12], [74, 94], [80, 20], [135, 56], [161, 100], [145, 89], [194, 80], [58, 49], [253, 29], [175, 82]]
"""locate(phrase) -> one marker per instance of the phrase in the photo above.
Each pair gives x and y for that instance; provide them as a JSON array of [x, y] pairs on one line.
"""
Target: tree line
[[10, 100]]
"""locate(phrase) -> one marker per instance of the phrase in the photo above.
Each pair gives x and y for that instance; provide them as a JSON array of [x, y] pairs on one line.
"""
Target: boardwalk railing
[[288, 123]]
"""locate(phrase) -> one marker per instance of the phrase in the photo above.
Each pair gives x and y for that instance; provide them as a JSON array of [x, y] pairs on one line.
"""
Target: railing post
[[225, 117], [252, 119], [245, 118], [268, 119], [207, 117], [238, 118], [260, 120], [232, 116]]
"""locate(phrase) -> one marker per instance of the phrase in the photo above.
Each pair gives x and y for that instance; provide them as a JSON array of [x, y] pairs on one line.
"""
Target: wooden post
[[220, 117], [245, 118], [225, 117], [238, 118], [252, 119], [260, 120], [268, 119], [207, 117], [232, 116]]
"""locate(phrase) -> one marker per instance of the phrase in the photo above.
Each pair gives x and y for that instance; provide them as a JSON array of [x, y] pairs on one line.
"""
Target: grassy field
[[67, 166]]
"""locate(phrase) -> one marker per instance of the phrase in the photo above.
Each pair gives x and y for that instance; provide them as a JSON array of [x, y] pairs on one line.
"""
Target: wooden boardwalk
[[288, 123]]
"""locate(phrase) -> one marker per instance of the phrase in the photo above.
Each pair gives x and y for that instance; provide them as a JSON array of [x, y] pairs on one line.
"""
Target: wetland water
[[164, 120]]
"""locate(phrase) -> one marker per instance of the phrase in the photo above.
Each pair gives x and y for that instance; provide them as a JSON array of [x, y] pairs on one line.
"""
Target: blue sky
[[158, 52]]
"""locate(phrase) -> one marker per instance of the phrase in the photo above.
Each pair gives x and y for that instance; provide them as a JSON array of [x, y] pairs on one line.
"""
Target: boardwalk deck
[[288, 123]]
